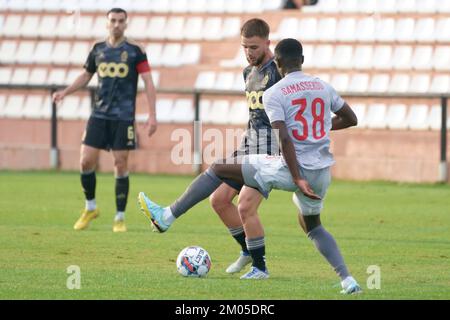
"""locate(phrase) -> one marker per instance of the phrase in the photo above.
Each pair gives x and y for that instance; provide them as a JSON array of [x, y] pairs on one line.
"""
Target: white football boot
[[255, 273], [350, 286], [243, 260]]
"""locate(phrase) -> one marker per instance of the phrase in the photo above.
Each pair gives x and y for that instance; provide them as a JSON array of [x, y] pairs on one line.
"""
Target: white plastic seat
[[154, 51], [35, 5], [429, 6], [419, 83], [383, 57], [84, 110], [362, 57], [8, 51], [84, 27], [326, 77], [360, 111], [417, 117], [212, 29], [231, 27], [402, 57], [52, 5], [20, 76], [160, 6], [69, 108], [239, 60], [72, 75], [183, 111], [99, 29], [406, 6], [197, 6], [217, 6], [346, 29], [43, 52], [272, 5], [234, 6], [12, 25], [78, 53], [57, 76], [156, 28], [396, 116], [424, 30], [137, 27], [365, 29], [33, 107], [288, 28], [399, 83], [368, 7], [205, 106], [376, 116], [66, 27], [238, 113], [306, 29], [193, 28], [443, 6], [343, 56], [164, 110], [340, 82], [359, 82], [404, 29], [434, 121], [441, 58], [385, 6], [440, 84], [238, 83], [30, 25], [385, 29], [47, 26], [14, 106], [178, 6], [254, 6], [25, 52], [2, 104], [442, 30], [379, 83], [170, 55], [174, 28], [422, 58], [5, 75], [19, 5], [219, 111], [348, 6], [140, 6], [205, 80], [60, 52], [308, 54], [38, 76], [190, 54], [323, 55], [224, 81], [326, 29]]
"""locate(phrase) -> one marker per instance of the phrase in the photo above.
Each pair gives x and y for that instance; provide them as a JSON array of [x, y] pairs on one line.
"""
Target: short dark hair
[[290, 52], [255, 28], [117, 10]]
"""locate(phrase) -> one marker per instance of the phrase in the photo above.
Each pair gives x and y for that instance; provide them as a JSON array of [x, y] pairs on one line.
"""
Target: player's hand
[[58, 96], [306, 189], [151, 125]]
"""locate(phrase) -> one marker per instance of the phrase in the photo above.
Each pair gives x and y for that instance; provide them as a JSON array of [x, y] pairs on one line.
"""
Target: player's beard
[[256, 62]]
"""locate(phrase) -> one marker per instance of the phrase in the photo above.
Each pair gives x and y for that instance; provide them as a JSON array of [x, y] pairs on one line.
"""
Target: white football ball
[[193, 261]]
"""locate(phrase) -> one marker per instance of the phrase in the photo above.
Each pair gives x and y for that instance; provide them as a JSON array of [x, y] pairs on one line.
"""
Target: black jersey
[[257, 80], [117, 69]]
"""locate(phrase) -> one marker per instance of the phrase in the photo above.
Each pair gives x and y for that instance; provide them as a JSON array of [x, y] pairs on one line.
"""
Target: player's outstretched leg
[[153, 212]]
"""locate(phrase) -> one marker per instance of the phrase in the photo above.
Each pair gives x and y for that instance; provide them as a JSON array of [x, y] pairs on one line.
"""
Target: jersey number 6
[[318, 119]]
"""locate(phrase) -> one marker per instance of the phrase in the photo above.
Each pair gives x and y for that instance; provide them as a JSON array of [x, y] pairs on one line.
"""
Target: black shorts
[[110, 134]]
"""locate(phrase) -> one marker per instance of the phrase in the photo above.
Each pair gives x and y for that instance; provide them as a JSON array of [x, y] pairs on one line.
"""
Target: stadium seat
[[323, 55], [193, 28], [217, 6], [205, 80], [205, 106], [340, 82], [84, 110], [12, 25], [137, 27], [346, 29], [442, 30], [154, 51], [366, 29], [164, 110], [14, 106], [33, 107], [160, 6], [156, 28], [440, 84], [35, 5], [402, 57], [307, 29], [376, 116], [18, 5], [234, 6], [424, 30], [254, 6], [342, 58], [69, 108], [29, 26], [399, 83], [308, 54], [51, 5], [79, 53], [288, 28], [5, 75], [43, 52], [25, 51], [326, 29], [406, 6], [197, 6], [422, 57], [72, 75], [441, 58], [2, 104], [57, 76], [417, 118], [178, 6], [359, 82], [379, 83], [231, 27], [156, 77], [38, 76], [385, 29], [224, 81], [20, 76], [385, 6], [239, 60], [183, 111], [174, 28], [84, 27], [404, 29], [220, 111], [443, 6], [239, 83], [325, 77], [383, 57], [434, 118], [8, 51], [212, 29], [47, 26], [362, 57], [190, 54], [61, 52], [99, 30], [420, 83], [271, 5], [360, 111], [66, 27], [396, 116], [238, 113], [170, 56]]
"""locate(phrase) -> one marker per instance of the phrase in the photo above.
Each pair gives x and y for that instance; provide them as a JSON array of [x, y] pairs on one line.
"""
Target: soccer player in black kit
[[261, 74], [118, 62]]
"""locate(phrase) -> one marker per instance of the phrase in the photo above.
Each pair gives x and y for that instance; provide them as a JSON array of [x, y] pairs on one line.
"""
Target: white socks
[[168, 217], [91, 205], [120, 216]]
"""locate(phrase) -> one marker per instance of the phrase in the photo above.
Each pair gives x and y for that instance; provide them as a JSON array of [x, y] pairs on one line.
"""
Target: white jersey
[[305, 104]]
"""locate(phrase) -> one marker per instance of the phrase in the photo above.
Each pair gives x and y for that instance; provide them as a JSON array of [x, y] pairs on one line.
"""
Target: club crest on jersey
[[124, 56], [265, 80]]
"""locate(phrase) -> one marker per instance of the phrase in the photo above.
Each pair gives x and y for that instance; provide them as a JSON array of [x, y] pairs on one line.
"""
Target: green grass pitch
[[403, 229]]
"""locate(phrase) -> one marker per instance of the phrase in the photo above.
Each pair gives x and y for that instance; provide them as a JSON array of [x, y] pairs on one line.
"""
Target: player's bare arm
[[345, 117], [288, 151], [151, 100], [80, 82]]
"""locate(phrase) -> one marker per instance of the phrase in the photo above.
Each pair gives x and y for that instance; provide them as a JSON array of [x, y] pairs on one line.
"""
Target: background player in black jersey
[[118, 62], [261, 74]]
